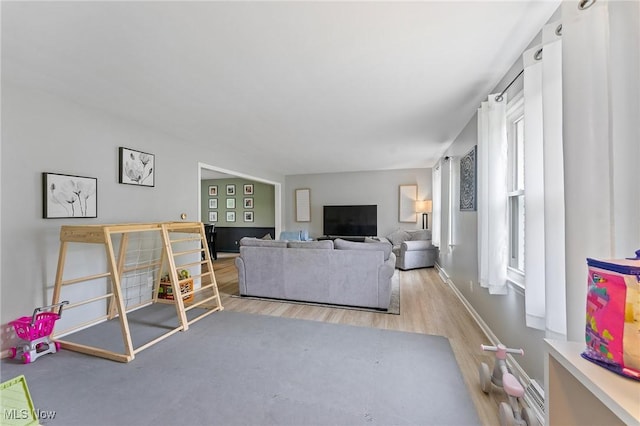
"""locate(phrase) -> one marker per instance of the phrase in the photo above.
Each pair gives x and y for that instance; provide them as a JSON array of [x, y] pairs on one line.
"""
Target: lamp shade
[[424, 206]]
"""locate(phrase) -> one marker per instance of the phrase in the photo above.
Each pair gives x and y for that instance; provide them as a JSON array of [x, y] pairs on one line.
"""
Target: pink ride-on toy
[[510, 413], [35, 330]]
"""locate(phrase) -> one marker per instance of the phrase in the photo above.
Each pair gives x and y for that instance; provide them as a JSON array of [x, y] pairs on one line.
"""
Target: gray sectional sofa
[[333, 272]]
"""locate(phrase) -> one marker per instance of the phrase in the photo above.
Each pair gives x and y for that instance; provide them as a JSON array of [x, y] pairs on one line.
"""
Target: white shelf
[[577, 391]]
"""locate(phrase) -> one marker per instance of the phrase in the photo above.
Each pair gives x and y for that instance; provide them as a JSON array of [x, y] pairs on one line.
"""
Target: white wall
[[373, 187], [41, 132]]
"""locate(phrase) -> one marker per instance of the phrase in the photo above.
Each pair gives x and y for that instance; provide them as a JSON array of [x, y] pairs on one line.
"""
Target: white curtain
[[451, 202], [492, 195], [436, 208], [545, 300], [601, 96]]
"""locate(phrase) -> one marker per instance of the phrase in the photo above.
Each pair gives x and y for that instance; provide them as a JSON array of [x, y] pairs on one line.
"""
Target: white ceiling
[[310, 87]]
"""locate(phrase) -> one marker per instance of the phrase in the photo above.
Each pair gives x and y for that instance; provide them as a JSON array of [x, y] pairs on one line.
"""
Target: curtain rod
[[499, 98]]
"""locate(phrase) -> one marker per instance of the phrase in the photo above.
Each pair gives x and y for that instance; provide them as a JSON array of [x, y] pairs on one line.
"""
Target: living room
[[52, 125]]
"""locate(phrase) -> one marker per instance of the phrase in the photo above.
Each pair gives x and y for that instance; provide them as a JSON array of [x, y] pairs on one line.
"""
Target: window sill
[[516, 280]]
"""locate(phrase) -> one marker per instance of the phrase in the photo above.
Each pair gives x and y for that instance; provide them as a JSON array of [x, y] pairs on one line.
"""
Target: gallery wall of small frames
[[231, 202]]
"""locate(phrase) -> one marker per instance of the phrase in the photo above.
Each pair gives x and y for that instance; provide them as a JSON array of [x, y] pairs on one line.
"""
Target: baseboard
[[534, 394]]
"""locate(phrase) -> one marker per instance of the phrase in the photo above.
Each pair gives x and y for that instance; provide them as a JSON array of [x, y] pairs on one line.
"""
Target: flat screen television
[[351, 221]]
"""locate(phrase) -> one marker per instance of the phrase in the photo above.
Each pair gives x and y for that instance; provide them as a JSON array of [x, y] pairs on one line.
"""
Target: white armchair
[[413, 248]]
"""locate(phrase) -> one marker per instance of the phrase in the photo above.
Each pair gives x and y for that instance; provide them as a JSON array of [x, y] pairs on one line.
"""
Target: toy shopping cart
[[35, 330]]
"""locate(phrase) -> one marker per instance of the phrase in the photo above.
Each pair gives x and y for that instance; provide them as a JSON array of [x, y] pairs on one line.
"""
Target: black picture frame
[[69, 196], [136, 167]]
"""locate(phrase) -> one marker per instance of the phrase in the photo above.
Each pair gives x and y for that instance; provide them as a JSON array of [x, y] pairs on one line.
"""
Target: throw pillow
[[267, 237], [290, 235], [398, 237]]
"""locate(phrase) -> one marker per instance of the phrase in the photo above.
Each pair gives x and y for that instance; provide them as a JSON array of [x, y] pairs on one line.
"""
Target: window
[[515, 184]]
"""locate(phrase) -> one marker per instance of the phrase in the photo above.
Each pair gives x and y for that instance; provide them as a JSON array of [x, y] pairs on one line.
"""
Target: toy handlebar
[[502, 349], [43, 308]]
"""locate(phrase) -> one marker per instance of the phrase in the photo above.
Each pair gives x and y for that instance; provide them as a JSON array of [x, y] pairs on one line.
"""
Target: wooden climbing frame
[[174, 258]]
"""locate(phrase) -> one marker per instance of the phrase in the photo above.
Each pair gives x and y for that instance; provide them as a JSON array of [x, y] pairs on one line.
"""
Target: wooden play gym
[[175, 247]]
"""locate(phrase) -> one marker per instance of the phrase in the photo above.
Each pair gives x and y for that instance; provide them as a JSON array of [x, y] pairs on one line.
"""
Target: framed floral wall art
[[67, 196], [136, 167]]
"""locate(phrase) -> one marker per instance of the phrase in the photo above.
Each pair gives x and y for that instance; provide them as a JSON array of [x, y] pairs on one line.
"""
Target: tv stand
[[333, 237]]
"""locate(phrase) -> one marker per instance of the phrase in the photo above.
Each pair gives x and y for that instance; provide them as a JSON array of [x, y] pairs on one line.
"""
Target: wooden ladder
[[204, 297]]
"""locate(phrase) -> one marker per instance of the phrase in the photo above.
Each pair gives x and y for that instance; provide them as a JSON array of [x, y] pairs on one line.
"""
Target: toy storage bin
[[166, 291], [613, 315]]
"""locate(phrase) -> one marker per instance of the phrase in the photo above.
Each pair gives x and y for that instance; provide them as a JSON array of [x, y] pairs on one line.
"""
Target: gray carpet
[[394, 303], [242, 369]]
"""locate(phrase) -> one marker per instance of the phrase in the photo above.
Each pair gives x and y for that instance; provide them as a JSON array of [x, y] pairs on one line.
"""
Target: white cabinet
[[579, 392]]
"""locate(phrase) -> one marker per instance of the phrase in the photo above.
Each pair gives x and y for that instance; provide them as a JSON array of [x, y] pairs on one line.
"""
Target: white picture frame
[[407, 204], [303, 205]]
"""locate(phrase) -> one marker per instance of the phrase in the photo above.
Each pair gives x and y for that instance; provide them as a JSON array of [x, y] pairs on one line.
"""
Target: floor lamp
[[424, 207]]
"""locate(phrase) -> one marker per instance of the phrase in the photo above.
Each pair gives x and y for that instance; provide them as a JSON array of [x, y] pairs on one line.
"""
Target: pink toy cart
[[35, 331]]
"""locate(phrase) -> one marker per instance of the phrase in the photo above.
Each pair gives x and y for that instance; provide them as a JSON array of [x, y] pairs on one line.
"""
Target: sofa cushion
[[255, 242], [341, 244], [325, 244], [399, 236], [420, 235]]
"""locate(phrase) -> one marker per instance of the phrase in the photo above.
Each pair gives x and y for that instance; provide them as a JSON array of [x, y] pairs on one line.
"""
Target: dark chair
[[210, 234]]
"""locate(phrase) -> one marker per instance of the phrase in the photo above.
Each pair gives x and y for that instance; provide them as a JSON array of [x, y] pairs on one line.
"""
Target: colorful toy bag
[[613, 315]]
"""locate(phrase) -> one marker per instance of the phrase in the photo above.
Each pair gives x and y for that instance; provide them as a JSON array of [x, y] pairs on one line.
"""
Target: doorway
[[208, 172]]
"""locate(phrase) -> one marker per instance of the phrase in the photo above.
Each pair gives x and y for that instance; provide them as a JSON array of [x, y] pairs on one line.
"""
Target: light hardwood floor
[[427, 305]]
